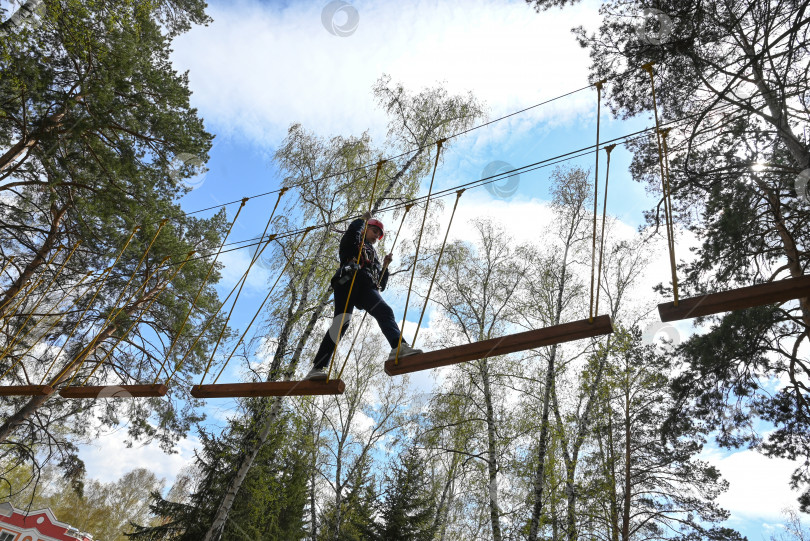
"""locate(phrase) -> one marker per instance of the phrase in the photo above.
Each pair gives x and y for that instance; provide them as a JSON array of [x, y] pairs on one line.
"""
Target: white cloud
[[758, 485], [256, 68], [108, 458]]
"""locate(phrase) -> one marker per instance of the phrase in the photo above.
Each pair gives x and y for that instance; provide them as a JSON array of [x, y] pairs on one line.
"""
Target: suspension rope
[[199, 292], [418, 245], [101, 281], [362, 244], [138, 320], [648, 67], [436, 269], [56, 321], [608, 149], [671, 220], [379, 280], [401, 223], [261, 306], [244, 281], [598, 86], [41, 299]]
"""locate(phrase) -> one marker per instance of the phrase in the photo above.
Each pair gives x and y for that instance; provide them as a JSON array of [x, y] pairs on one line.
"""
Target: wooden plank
[[557, 334], [268, 388], [736, 299], [26, 390], [114, 391]]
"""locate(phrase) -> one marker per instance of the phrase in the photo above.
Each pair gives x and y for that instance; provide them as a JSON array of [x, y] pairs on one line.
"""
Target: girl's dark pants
[[365, 297]]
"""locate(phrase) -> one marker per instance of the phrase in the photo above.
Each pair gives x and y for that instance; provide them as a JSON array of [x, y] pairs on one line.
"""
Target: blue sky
[[261, 66]]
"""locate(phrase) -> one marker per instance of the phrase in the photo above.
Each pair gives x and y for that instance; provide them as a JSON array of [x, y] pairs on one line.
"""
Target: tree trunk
[[444, 500], [627, 482], [221, 516], [492, 454], [540, 473]]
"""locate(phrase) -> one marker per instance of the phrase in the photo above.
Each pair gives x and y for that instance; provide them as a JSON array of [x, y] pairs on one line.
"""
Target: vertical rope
[[418, 245], [401, 223], [608, 149], [648, 67], [8, 262], [671, 220], [598, 86], [436, 269], [354, 276], [199, 292]]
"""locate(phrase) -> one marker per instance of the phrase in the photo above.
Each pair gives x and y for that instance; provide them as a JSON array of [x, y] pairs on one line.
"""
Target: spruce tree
[[408, 507]]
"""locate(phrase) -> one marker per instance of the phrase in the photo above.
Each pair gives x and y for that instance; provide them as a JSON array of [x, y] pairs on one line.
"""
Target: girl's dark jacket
[[370, 264]]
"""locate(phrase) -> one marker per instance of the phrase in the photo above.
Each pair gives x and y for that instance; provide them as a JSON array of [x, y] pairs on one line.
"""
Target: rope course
[[592, 326]]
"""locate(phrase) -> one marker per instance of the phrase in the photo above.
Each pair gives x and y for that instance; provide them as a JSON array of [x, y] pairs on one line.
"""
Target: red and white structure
[[19, 525]]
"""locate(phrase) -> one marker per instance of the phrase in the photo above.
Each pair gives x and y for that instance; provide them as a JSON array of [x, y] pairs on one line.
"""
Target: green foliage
[[92, 120], [408, 508], [736, 96], [270, 504]]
